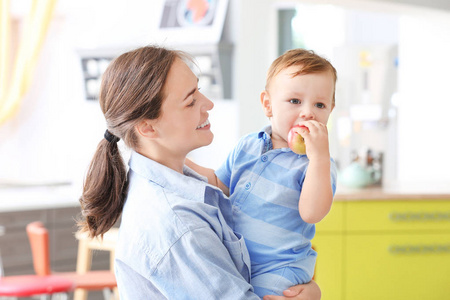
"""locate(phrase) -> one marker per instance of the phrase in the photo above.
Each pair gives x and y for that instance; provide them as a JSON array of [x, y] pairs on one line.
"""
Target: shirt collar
[[190, 185], [265, 132], [265, 136]]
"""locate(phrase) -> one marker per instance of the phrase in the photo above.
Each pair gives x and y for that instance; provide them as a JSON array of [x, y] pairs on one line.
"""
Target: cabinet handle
[[419, 249], [2, 230], [419, 216]]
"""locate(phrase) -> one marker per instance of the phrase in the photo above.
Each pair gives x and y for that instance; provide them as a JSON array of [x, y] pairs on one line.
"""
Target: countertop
[[397, 191], [66, 195], [38, 197]]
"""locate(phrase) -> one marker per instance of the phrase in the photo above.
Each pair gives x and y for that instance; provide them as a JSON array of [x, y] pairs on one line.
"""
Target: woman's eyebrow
[[191, 92]]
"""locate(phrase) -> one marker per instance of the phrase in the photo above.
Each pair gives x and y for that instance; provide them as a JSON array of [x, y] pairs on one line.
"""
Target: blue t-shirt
[[265, 186]]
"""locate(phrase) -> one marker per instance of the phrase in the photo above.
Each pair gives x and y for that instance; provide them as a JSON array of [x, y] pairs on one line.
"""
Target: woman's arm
[[208, 173]]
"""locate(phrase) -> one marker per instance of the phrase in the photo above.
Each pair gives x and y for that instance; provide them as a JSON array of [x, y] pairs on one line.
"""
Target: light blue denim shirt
[[176, 239]]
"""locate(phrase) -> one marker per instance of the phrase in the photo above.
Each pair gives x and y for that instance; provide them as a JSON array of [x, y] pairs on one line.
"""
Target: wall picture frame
[[192, 21]]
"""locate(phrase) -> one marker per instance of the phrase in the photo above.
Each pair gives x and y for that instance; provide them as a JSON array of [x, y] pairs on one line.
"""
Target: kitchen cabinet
[[329, 244], [395, 248]]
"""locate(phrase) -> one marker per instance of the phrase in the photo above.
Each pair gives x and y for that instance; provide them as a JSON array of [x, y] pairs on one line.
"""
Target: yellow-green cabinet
[[328, 243], [396, 249]]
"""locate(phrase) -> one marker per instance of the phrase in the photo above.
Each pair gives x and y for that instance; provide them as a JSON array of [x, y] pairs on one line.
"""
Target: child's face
[[183, 125], [289, 100]]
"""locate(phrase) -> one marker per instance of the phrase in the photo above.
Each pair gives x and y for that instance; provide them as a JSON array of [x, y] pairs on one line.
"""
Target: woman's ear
[[145, 128], [266, 104]]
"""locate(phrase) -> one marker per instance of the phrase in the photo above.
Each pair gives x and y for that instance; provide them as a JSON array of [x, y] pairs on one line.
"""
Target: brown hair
[[308, 62], [131, 90]]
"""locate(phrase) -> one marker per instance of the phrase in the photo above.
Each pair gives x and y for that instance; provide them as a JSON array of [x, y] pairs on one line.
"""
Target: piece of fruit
[[295, 141]]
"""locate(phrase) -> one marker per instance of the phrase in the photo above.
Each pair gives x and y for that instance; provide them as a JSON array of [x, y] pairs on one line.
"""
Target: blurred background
[[392, 62], [389, 128]]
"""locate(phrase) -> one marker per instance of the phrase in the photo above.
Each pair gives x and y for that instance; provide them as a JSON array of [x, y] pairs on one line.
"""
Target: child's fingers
[[312, 126]]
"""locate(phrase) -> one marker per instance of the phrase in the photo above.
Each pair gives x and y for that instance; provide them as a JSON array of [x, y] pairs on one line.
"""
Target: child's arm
[[208, 173], [317, 194]]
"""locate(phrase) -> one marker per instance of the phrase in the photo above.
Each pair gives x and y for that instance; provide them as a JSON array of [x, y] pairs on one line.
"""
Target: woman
[[176, 238]]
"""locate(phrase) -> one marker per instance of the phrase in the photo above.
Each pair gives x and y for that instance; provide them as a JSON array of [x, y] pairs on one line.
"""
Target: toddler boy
[[277, 195]]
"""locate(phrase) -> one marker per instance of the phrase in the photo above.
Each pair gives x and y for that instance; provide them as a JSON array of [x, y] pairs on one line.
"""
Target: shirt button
[[264, 158], [248, 185]]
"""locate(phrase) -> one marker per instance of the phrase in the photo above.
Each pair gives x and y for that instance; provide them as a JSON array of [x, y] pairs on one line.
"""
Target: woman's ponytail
[[104, 190], [131, 90]]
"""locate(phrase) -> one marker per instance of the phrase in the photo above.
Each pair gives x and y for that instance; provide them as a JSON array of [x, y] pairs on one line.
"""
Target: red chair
[[91, 280], [32, 285]]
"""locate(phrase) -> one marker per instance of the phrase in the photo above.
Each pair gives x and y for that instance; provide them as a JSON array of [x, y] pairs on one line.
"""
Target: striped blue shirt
[[265, 186]]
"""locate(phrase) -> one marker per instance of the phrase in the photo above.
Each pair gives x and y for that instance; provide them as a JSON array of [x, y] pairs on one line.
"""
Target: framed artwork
[[192, 21]]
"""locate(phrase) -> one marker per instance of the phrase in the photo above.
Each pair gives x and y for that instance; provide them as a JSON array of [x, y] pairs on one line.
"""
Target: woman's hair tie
[[111, 137]]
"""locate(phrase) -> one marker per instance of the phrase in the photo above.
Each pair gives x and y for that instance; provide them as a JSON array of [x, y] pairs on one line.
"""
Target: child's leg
[[275, 282]]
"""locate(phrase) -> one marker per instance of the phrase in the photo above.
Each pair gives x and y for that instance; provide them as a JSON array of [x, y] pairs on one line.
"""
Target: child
[[269, 185], [176, 238]]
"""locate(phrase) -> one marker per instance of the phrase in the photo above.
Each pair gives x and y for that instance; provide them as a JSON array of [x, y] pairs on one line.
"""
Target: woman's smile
[[204, 125]]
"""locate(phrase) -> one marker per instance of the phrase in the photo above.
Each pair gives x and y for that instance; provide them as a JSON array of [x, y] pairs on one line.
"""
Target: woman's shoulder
[[153, 227]]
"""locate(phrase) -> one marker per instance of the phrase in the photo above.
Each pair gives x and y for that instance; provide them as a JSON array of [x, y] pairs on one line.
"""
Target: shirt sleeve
[[225, 170], [134, 286], [199, 266]]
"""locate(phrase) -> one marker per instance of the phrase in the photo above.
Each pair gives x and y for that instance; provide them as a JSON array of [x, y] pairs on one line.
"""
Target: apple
[[295, 140]]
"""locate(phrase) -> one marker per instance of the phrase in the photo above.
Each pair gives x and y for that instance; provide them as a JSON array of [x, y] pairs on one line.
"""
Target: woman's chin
[[204, 140], [209, 140]]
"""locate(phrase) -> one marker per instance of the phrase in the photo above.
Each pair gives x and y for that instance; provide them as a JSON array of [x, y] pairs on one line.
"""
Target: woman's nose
[[207, 104]]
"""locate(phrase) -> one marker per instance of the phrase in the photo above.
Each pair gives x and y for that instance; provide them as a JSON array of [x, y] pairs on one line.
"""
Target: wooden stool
[[84, 260]]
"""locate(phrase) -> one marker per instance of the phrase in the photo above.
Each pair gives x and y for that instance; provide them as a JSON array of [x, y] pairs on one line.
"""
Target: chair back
[[38, 237]]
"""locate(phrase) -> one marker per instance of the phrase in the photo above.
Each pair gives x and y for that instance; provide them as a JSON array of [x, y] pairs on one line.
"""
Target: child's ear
[[266, 104], [146, 129]]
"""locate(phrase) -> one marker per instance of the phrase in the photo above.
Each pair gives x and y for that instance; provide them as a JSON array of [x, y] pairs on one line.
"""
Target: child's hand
[[316, 139], [308, 291]]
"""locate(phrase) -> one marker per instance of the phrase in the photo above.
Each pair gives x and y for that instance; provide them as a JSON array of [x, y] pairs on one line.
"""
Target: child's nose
[[307, 114]]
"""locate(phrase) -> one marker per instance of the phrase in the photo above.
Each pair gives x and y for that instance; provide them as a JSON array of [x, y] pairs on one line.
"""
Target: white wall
[[424, 108], [255, 49]]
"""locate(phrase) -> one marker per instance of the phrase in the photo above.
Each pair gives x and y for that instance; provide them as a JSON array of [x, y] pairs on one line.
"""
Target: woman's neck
[[170, 160]]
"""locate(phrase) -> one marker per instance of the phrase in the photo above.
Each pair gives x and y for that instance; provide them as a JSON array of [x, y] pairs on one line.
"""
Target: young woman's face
[[300, 98], [183, 125]]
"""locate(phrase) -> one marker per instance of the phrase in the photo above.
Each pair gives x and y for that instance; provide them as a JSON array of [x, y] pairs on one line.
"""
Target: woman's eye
[[192, 103], [294, 101], [193, 99]]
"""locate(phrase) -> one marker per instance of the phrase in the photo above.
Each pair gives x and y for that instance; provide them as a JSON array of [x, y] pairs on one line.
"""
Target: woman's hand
[[308, 291]]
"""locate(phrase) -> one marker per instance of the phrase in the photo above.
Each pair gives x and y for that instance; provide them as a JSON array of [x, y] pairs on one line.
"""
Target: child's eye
[[295, 101], [320, 105]]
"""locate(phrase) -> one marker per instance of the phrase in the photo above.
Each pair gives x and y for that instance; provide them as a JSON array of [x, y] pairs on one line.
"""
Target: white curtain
[[14, 84]]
